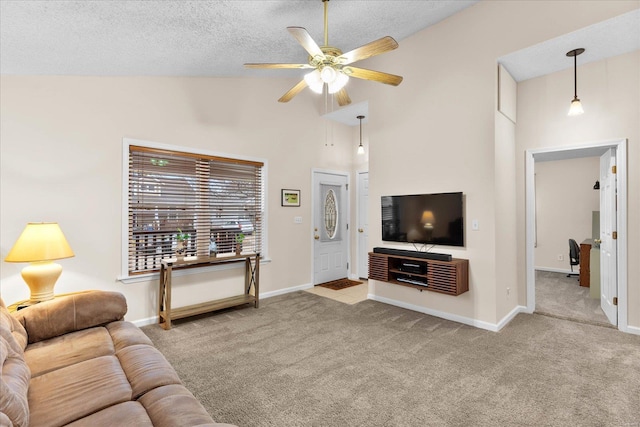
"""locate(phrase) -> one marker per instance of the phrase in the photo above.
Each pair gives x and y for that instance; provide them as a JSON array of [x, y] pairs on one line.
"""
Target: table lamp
[[40, 243]]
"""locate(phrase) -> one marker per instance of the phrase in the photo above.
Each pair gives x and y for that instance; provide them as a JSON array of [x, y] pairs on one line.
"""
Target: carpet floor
[[560, 296], [304, 360]]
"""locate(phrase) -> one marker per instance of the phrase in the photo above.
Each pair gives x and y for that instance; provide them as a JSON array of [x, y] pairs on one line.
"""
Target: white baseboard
[[453, 317], [559, 270], [509, 317], [264, 295], [633, 330], [144, 322]]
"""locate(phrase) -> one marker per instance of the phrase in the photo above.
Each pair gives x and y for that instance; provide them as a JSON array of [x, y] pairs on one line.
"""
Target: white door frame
[[359, 273], [314, 212], [621, 154]]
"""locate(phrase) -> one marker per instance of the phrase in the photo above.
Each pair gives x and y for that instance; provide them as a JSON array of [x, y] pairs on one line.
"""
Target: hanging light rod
[[576, 106], [360, 147]]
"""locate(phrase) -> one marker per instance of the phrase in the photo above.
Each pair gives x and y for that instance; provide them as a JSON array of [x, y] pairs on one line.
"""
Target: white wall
[[61, 160], [609, 91], [438, 131], [565, 200]]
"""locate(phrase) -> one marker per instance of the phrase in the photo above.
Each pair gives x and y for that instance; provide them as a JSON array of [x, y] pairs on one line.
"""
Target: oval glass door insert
[[331, 214]]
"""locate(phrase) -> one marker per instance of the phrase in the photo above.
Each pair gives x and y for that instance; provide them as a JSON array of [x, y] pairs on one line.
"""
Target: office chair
[[574, 256]]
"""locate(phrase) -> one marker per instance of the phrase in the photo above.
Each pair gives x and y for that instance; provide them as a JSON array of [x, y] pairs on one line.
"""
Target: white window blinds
[[213, 199]]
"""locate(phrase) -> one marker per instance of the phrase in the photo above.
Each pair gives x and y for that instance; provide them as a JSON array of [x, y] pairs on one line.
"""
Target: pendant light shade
[[360, 147], [576, 106]]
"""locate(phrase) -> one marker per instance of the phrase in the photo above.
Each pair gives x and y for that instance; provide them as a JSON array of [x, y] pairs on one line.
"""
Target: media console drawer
[[447, 277]]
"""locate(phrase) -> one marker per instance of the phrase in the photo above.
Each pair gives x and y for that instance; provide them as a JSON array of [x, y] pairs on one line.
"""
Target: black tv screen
[[436, 219]]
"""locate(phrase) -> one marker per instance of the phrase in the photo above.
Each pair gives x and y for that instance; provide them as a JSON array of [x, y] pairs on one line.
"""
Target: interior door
[[330, 247], [363, 224], [608, 244]]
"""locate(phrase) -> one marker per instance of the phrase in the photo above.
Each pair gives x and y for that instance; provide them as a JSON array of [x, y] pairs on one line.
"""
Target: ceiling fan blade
[[306, 41], [266, 65], [293, 91], [376, 76], [374, 48], [343, 97]]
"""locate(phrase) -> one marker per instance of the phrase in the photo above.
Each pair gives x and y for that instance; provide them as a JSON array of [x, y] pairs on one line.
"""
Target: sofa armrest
[[71, 313]]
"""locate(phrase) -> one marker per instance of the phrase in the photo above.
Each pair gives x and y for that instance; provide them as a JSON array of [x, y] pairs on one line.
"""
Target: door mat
[[336, 285]]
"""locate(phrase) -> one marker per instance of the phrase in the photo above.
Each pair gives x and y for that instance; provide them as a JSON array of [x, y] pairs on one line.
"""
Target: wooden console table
[[251, 278]]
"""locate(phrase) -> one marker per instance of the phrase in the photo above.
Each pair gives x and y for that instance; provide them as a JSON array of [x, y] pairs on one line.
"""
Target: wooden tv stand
[[446, 277]]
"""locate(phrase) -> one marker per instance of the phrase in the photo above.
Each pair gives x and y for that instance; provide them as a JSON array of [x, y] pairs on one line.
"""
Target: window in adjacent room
[[212, 199]]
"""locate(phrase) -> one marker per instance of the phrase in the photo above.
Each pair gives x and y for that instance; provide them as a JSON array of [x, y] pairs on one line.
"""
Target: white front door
[[608, 245], [331, 234], [363, 224]]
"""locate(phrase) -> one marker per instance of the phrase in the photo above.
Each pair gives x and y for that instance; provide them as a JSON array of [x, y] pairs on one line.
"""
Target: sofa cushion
[[125, 334], [146, 368], [68, 394], [127, 414], [174, 405], [14, 383], [8, 322], [71, 313], [55, 353], [14, 372]]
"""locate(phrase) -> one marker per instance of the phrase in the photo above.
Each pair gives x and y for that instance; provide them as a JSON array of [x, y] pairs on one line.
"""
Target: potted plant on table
[[239, 240], [182, 239]]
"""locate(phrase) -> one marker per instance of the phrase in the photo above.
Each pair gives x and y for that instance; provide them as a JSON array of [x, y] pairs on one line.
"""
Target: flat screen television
[[436, 219]]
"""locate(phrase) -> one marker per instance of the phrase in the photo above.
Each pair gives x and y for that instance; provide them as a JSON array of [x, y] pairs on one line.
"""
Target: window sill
[[155, 276]]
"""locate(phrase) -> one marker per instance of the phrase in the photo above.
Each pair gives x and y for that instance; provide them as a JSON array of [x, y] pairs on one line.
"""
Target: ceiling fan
[[331, 67]]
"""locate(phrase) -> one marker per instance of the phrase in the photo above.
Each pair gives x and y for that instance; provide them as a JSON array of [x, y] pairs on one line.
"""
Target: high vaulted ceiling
[[193, 38], [215, 38]]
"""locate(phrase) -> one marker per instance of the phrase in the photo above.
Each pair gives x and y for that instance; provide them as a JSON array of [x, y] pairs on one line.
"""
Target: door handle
[[316, 237], [360, 230]]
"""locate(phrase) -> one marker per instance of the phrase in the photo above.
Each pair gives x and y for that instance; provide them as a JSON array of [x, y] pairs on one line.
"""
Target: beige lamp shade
[[40, 243]]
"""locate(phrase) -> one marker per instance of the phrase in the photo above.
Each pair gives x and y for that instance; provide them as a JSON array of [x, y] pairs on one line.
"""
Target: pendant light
[[360, 147], [576, 106]]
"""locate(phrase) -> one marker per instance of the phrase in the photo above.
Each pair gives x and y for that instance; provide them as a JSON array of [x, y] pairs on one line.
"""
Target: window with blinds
[[212, 199]]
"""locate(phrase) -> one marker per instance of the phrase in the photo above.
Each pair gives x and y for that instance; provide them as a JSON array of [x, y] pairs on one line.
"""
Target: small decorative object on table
[[239, 240], [181, 246]]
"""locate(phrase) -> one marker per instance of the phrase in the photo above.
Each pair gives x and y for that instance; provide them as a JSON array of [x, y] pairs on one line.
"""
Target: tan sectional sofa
[[74, 361]]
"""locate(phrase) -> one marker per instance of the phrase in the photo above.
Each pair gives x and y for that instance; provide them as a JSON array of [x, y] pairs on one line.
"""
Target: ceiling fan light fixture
[[339, 82], [314, 81], [328, 74]]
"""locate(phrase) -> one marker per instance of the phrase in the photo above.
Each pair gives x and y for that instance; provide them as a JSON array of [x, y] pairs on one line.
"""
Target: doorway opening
[[619, 268]]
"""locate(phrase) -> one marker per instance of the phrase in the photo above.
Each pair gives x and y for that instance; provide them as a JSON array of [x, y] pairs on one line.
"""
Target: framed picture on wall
[[291, 198]]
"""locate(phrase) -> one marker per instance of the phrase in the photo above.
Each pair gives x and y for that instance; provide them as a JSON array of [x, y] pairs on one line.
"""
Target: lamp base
[[41, 277]]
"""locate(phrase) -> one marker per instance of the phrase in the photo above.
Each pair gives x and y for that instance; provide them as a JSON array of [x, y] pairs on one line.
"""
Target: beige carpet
[[304, 360], [560, 296]]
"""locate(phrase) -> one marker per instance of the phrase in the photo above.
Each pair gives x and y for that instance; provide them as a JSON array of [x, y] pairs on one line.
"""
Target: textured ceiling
[[193, 38], [214, 38], [605, 39]]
